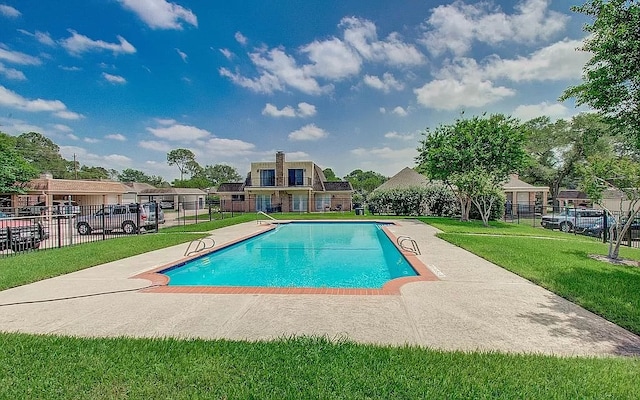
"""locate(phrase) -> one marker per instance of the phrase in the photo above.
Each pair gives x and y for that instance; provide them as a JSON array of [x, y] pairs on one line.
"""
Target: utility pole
[[75, 167]]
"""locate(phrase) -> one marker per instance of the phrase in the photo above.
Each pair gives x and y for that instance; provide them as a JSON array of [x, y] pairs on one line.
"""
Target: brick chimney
[[280, 168]]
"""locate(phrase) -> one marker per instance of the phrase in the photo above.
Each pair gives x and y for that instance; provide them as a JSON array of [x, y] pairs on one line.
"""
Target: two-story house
[[287, 186]]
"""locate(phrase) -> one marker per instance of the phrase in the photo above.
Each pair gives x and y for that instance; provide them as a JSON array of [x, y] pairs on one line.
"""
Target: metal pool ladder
[[200, 244], [266, 215], [412, 247]]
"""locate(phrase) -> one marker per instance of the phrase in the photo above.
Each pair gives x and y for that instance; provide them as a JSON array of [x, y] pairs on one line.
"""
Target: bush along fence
[[39, 228]]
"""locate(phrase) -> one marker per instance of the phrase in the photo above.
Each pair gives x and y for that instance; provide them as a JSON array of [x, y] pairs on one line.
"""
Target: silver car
[[129, 218]]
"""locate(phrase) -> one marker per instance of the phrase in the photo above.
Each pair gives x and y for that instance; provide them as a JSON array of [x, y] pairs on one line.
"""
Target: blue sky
[[349, 84]]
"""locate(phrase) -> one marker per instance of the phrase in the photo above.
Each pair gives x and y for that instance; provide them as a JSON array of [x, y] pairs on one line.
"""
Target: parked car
[[166, 204], [129, 218], [570, 217], [20, 234], [59, 207], [594, 228]]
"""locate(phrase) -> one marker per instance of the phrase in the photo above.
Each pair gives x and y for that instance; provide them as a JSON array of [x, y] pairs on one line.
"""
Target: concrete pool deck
[[474, 305]]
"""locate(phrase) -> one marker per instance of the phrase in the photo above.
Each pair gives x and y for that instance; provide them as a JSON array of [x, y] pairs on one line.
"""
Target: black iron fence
[[40, 227]]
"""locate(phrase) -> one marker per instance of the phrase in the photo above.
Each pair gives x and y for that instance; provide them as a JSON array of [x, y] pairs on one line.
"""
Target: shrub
[[432, 200]]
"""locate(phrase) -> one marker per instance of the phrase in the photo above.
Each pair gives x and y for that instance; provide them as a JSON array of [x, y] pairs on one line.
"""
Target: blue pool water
[[310, 255]]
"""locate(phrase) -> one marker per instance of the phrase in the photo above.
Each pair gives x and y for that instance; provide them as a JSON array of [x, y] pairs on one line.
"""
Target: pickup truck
[[20, 234]]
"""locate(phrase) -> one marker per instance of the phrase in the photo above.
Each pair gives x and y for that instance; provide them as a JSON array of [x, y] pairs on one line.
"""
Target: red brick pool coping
[[160, 282]]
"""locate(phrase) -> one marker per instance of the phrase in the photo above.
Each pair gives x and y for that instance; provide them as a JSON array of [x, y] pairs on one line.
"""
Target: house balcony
[[271, 183]]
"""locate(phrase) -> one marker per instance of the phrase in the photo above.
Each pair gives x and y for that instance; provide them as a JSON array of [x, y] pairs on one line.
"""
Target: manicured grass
[[496, 228], [559, 262], [35, 266], [49, 367]]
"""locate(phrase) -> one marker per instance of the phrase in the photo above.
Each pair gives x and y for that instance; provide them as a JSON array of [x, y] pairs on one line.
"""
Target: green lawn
[[556, 261], [52, 367]]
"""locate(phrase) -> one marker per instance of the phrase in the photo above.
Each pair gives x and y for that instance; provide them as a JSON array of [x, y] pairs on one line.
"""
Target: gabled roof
[[338, 186], [172, 191], [572, 194], [70, 186], [515, 183], [405, 179]]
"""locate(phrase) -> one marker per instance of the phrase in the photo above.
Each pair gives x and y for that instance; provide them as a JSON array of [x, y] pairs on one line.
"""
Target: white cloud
[[308, 133], [91, 140], [399, 136], [526, 112], [116, 161], [266, 83], [17, 57], [42, 37], [454, 27], [116, 136], [9, 11], [226, 147], [332, 59], [304, 110], [401, 112], [382, 110], [155, 145], [228, 54], [71, 69], [77, 44], [272, 111], [13, 100], [361, 34], [384, 160], [16, 126], [277, 63], [68, 115], [182, 55], [166, 121], [451, 94], [160, 14], [11, 73], [178, 132], [62, 128], [386, 84], [557, 61], [115, 79], [240, 38]]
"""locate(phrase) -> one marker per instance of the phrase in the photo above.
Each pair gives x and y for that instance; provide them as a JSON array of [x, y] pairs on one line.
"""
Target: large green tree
[[330, 175], [14, 169], [134, 175], [557, 149], [220, 173], [611, 78], [622, 176], [184, 159], [43, 154], [490, 146], [365, 181]]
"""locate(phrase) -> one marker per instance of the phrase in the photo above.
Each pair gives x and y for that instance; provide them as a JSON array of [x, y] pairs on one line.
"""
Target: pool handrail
[[266, 215], [414, 245], [198, 243]]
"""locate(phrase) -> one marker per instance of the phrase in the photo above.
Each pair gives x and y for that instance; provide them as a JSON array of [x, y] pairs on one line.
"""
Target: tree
[[330, 175], [184, 159], [611, 78], [365, 182], [14, 169], [134, 175], [221, 173], [94, 173], [622, 174], [42, 153], [484, 190], [557, 149], [490, 145]]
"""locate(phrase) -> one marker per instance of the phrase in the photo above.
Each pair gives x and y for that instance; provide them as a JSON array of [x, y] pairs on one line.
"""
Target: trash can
[[359, 211]]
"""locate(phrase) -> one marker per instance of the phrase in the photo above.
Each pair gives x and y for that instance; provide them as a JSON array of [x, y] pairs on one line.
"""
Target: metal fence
[[40, 228], [594, 223]]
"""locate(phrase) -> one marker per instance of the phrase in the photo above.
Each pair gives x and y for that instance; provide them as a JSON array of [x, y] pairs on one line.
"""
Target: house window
[[263, 202], [237, 197], [296, 177], [299, 202], [268, 177], [323, 202]]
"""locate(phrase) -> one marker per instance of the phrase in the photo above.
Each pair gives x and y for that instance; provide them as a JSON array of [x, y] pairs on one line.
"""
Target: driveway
[[474, 305]]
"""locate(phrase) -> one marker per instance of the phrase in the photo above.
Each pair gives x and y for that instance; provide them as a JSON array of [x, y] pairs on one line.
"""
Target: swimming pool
[[300, 255]]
